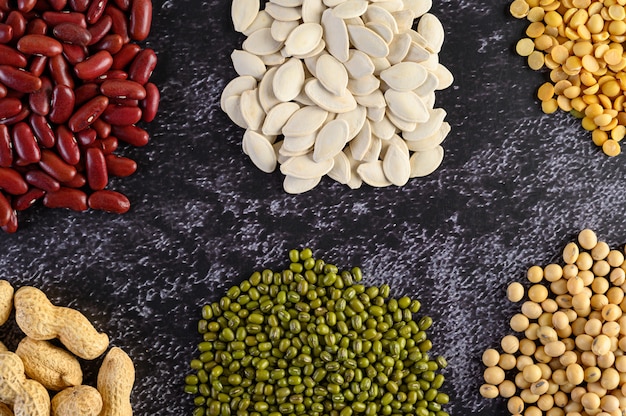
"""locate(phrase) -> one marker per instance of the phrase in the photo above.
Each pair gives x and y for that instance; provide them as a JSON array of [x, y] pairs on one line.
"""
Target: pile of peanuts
[[580, 42], [39, 369], [73, 85], [568, 357]]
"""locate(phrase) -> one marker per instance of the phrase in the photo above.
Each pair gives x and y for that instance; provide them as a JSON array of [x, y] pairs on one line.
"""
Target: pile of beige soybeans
[[567, 357], [344, 88], [580, 43]]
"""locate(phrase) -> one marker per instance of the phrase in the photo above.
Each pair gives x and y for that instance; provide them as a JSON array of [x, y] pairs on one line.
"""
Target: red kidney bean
[[88, 113], [26, 5], [42, 180], [96, 169], [120, 166], [99, 29], [125, 56], [77, 182], [108, 145], [111, 74], [62, 104], [133, 135], [150, 105], [109, 201], [79, 5], [25, 112], [6, 152], [123, 89], [55, 18], [42, 129], [6, 33], [17, 21], [57, 4], [25, 144], [6, 211], [120, 115], [12, 182], [94, 66], [74, 53], [72, 33], [39, 101], [140, 19], [127, 102], [37, 27], [86, 137], [9, 107], [102, 128], [53, 165], [3, 91], [122, 4], [86, 92], [39, 45], [96, 10], [11, 226], [19, 80], [37, 65], [27, 200], [66, 145], [142, 66], [120, 23], [10, 56], [65, 197], [60, 71], [112, 43]]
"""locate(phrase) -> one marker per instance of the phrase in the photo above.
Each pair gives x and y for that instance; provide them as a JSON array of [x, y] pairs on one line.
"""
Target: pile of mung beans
[[74, 83], [567, 356], [311, 340], [580, 43]]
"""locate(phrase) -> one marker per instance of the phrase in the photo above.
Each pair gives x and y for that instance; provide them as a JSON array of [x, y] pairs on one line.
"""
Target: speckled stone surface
[[515, 186]]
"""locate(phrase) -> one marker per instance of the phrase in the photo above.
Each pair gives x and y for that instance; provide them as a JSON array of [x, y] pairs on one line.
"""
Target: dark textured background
[[514, 187]]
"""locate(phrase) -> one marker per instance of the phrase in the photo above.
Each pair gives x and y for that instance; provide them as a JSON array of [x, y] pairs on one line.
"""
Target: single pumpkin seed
[[327, 100], [336, 35], [298, 145], [407, 106], [427, 128], [330, 140], [430, 27], [396, 165], [293, 185], [350, 8], [341, 171], [246, 63], [277, 117], [364, 85], [286, 14], [404, 76], [251, 109], [383, 128], [261, 21], [372, 174], [261, 42], [399, 48], [305, 121], [404, 19], [425, 163], [331, 74], [273, 59], [232, 108], [359, 64], [303, 39], [444, 76], [312, 11], [243, 13], [361, 143], [289, 80], [304, 167], [366, 40], [381, 30], [355, 120], [259, 149], [266, 90], [377, 14], [281, 29]]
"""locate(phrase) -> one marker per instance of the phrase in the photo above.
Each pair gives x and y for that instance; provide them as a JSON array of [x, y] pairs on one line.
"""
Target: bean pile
[[311, 340], [580, 42], [73, 85], [567, 357]]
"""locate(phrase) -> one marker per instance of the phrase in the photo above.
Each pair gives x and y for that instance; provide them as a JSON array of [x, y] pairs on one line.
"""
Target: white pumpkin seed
[[383, 129], [246, 63], [431, 29], [380, 64], [341, 171], [336, 35], [430, 84], [309, 64], [399, 48], [397, 141], [375, 114], [355, 120], [373, 153], [286, 14], [303, 39], [404, 76], [350, 8], [390, 5], [277, 117], [287, 3], [377, 14], [273, 59], [396, 165], [331, 74], [357, 21], [280, 29], [428, 127], [232, 108], [261, 42], [243, 13], [305, 121], [261, 21], [236, 86], [364, 85], [327, 100], [407, 106], [361, 143], [296, 186], [251, 109], [425, 163], [260, 150], [404, 19], [304, 167], [402, 125], [417, 53], [375, 99], [418, 7], [333, 3], [372, 174], [359, 64], [266, 91], [430, 142], [444, 76], [330, 140], [312, 11], [366, 40], [298, 145], [288, 80], [316, 51], [381, 30], [429, 100]]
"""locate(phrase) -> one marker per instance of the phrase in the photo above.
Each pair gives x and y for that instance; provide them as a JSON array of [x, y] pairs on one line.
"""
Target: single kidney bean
[[109, 201], [88, 113], [99, 29], [25, 144], [94, 66], [21, 81], [12, 182], [9, 107], [120, 22], [42, 180], [6, 211], [111, 74], [72, 33], [140, 19], [6, 152], [115, 88], [55, 18], [65, 197], [27, 200], [120, 115], [57, 4], [39, 101], [96, 11], [37, 65], [39, 45], [17, 21], [86, 137], [108, 145], [62, 104], [74, 53], [125, 56], [102, 128], [77, 182], [79, 5], [112, 43], [133, 135], [60, 71], [142, 66], [37, 27], [120, 166], [25, 112], [6, 33], [10, 56], [26, 6], [66, 145], [42, 129], [53, 165], [96, 169]]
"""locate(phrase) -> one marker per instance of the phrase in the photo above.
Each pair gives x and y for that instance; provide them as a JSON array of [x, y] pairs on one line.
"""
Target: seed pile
[[344, 88], [73, 85], [311, 340], [567, 357], [580, 42]]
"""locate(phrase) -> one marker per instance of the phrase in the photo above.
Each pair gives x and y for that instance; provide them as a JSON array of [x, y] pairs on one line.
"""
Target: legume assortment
[[567, 357], [311, 340], [74, 84], [344, 89], [580, 43]]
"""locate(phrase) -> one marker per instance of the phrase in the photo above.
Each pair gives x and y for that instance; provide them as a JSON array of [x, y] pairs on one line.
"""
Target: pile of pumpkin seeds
[[312, 340], [344, 88]]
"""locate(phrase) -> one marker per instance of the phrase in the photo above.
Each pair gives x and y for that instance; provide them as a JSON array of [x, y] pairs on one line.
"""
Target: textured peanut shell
[[12, 377], [6, 300], [5, 410], [115, 382], [50, 365], [34, 402], [79, 400], [41, 320]]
